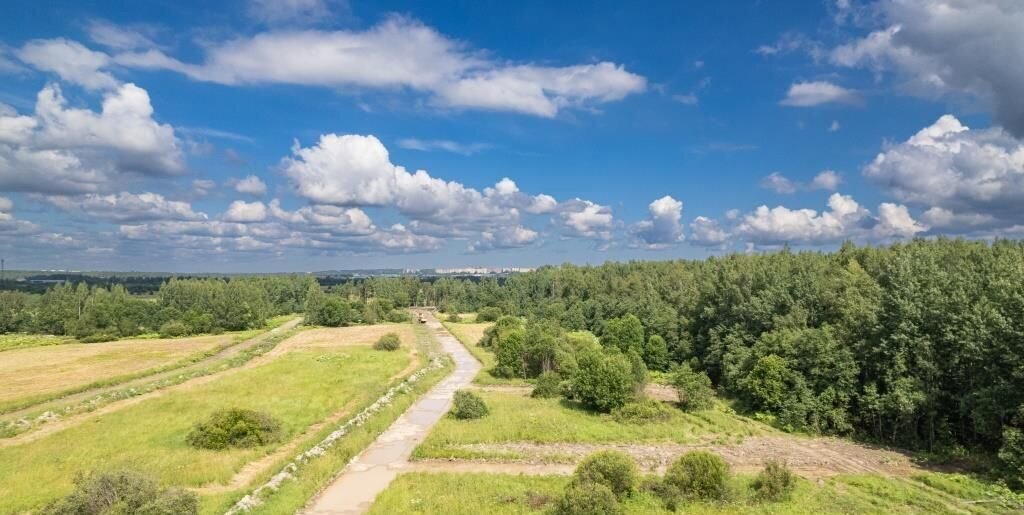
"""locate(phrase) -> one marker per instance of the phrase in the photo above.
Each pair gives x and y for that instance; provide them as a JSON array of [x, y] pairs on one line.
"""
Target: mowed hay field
[[320, 373], [41, 371]]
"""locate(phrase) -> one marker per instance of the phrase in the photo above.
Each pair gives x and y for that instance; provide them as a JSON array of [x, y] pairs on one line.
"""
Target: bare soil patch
[[809, 457]]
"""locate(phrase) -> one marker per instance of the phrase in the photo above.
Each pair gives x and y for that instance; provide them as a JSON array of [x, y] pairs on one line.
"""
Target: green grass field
[[517, 418], [502, 494], [299, 388], [24, 340]]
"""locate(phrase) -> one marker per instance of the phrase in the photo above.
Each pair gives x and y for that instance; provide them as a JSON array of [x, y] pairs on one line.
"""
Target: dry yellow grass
[[345, 337], [469, 334], [46, 370]]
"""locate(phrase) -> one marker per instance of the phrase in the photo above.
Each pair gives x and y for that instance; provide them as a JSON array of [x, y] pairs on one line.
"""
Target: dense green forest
[[919, 345], [179, 307]]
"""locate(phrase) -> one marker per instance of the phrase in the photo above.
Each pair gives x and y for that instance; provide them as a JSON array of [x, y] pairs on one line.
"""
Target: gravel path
[[369, 473]]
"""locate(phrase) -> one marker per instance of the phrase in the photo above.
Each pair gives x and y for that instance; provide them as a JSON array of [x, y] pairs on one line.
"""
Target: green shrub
[[388, 342], [173, 329], [509, 355], [588, 499], [698, 475], [549, 385], [657, 487], [123, 493], [641, 412], [602, 381], [454, 318], [775, 482], [98, 337], [398, 316], [235, 427], [694, 389], [488, 314], [613, 469], [1012, 455], [468, 406], [494, 334]]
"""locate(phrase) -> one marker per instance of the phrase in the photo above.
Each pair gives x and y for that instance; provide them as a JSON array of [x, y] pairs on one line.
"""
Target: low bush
[[454, 318], [173, 329], [642, 412], [603, 381], [548, 386], [388, 342], [123, 493], [613, 469], [699, 475], [235, 428], [694, 389], [1011, 454], [468, 406], [775, 482], [398, 316], [588, 499], [489, 314]]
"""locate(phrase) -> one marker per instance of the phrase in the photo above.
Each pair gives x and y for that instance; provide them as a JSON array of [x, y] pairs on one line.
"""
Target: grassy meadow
[[300, 387], [423, 493], [518, 418]]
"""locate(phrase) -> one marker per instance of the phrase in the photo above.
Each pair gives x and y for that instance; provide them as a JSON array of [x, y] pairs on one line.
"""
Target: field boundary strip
[[29, 428]]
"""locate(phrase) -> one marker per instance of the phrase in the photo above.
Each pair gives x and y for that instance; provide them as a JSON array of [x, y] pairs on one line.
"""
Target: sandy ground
[[809, 457], [46, 370]]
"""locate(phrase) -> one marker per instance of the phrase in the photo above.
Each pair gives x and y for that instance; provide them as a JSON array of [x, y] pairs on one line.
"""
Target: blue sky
[[290, 135]]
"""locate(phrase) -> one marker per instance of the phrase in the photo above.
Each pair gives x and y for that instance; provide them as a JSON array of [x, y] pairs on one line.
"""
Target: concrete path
[[354, 491]]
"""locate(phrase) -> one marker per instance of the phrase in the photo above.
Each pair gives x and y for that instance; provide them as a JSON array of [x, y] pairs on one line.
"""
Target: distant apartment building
[[482, 270]]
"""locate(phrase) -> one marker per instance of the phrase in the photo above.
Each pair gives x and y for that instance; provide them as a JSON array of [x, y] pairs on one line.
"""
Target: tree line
[[919, 345], [180, 307]]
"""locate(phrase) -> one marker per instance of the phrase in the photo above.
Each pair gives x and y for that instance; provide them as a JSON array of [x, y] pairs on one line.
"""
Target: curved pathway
[[369, 473]]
